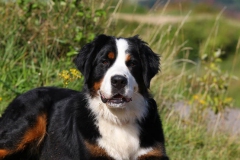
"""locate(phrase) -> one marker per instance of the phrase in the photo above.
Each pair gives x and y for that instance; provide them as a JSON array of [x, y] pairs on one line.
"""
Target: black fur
[[149, 60], [69, 122]]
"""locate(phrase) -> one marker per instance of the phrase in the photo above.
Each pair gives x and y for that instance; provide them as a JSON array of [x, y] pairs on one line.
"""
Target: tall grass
[[189, 139]]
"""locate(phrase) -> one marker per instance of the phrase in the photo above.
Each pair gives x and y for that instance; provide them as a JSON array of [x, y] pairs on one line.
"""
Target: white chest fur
[[118, 128], [120, 141]]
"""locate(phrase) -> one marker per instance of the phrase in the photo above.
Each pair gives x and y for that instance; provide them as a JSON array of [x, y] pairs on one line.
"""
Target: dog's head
[[116, 69]]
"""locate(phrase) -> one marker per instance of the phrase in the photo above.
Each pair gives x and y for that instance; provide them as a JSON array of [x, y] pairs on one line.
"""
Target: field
[[199, 59]]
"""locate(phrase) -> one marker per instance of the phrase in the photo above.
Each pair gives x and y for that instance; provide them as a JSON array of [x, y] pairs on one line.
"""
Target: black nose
[[118, 81]]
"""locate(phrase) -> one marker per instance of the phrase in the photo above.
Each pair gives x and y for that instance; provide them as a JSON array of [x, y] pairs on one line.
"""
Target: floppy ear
[[85, 58], [150, 61]]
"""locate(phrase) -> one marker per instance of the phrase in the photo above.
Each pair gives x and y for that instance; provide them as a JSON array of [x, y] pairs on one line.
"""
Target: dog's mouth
[[116, 99]]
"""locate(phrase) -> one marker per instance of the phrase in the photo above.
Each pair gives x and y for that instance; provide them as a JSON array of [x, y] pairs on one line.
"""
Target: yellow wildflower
[[195, 97], [75, 73], [202, 102], [65, 75], [69, 75]]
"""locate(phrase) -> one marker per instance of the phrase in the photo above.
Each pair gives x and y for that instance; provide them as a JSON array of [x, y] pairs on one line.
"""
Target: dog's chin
[[115, 101]]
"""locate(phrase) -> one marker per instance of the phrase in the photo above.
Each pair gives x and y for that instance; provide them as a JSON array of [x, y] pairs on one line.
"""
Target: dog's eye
[[105, 62], [132, 63]]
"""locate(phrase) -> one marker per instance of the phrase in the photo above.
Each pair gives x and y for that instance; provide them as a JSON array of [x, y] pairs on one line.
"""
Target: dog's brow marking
[[111, 55], [128, 57]]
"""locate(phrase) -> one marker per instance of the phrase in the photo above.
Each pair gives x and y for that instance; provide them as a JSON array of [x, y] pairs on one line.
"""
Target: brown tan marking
[[128, 57], [3, 153], [97, 85], [97, 152], [157, 152], [34, 134], [111, 55]]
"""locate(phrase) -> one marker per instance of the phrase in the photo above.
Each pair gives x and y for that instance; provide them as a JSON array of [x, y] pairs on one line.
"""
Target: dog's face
[[117, 69]]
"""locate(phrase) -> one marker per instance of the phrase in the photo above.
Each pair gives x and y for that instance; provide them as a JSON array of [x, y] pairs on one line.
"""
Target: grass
[[28, 64], [40, 42], [187, 139], [231, 64]]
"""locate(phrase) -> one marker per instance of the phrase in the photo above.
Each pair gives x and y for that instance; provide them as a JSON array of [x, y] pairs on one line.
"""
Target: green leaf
[[80, 14]]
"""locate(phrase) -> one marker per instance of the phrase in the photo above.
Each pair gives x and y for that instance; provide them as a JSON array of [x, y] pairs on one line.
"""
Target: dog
[[113, 117]]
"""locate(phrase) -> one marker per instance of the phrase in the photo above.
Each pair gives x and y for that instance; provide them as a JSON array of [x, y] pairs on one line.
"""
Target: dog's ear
[[84, 59], [150, 61]]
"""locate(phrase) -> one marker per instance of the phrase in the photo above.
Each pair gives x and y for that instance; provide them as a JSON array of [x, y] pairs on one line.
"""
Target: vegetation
[[187, 140], [39, 40], [37, 47]]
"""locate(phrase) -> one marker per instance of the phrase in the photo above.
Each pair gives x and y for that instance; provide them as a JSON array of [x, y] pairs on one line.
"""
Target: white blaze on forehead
[[122, 47], [119, 67]]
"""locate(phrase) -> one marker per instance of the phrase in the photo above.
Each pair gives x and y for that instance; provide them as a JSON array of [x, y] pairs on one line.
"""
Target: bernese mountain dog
[[113, 117]]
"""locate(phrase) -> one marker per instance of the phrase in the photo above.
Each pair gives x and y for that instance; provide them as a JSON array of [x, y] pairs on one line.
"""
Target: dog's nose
[[118, 81]]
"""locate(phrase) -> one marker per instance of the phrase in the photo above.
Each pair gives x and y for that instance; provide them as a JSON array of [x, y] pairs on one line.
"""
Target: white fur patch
[[120, 141], [142, 151], [118, 128]]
